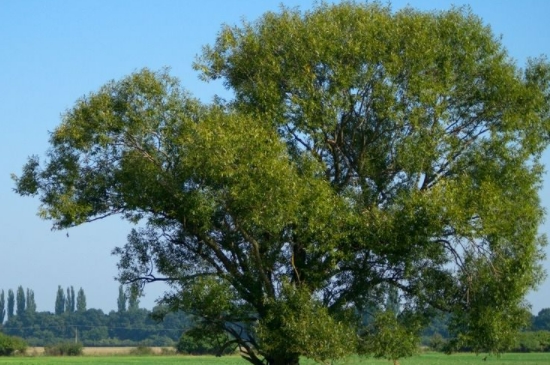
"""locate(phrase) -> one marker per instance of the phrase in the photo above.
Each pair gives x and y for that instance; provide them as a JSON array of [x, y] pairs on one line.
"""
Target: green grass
[[123, 360], [424, 359]]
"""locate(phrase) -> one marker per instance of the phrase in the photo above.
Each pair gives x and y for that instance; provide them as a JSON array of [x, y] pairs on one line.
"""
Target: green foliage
[[390, 336], [31, 303], [10, 345], [64, 349], [301, 325], [133, 301], [540, 322], [20, 309], [11, 303], [94, 328], [60, 301], [70, 301], [437, 342], [532, 341], [2, 307], [142, 350], [196, 341], [81, 301], [369, 156], [121, 300]]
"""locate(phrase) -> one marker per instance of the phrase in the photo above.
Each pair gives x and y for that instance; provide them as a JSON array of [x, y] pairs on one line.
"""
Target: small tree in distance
[[2, 307], [70, 300], [121, 300], [31, 303], [60, 301], [11, 303], [21, 302], [81, 301], [133, 299]]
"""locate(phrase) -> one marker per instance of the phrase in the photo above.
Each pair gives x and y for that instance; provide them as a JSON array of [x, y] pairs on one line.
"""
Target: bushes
[[64, 349], [196, 342], [10, 345], [142, 350], [437, 342], [537, 341]]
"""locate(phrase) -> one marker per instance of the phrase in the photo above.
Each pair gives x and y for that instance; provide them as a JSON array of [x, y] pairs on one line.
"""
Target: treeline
[[71, 320], [11, 307], [534, 338]]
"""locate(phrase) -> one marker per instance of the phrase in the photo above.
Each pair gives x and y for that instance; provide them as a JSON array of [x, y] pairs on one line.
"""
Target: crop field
[[424, 359]]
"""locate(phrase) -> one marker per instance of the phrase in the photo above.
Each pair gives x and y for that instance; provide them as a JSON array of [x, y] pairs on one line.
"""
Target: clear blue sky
[[53, 52]]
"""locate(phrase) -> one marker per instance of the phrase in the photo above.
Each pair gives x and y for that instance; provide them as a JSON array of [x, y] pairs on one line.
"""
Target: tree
[[121, 300], [70, 300], [11, 303], [20, 310], [31, 303], [133, 299], [60, 301], [364, 150], [2, 307], [11, 345], [81, 301], [541, 321], [389, 337]]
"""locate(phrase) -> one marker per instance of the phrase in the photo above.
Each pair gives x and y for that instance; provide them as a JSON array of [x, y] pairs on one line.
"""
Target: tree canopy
[[366, 153]]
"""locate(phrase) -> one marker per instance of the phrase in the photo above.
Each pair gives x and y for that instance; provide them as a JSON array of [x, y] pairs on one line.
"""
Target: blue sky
[[53, 52]]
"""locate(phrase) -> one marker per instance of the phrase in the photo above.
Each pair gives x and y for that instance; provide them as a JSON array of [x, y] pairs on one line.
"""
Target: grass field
[[424, 359]]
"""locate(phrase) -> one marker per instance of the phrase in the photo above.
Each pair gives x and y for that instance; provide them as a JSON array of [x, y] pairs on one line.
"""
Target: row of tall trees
[[65, 301], [127, 301], [22, 302], [68, 303], [20, 306]]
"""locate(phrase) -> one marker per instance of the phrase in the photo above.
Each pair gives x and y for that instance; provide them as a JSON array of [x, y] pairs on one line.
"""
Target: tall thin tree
[[70, 300], [121, 301], [133, 301], [2, 307], [60, 301], [21, 303], [11, 303], [81, 301], [73, 300], [31, 304]]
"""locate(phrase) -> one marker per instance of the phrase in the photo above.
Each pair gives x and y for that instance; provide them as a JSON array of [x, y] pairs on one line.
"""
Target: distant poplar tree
[[73, 300], [31, 304], [60, 301], [121, 301], [20, 301], [133, 301], [11, 303], [81, 301], [2, 307], [70, 300]]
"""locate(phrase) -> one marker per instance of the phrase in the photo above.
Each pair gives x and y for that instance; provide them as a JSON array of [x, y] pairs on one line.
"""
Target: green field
[[424, 359]]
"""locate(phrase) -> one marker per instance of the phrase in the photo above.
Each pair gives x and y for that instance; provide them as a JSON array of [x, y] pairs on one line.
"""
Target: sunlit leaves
[[366, 152]]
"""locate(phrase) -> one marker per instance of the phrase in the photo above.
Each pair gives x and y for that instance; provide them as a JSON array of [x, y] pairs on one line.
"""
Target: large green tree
[[367, 154]]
